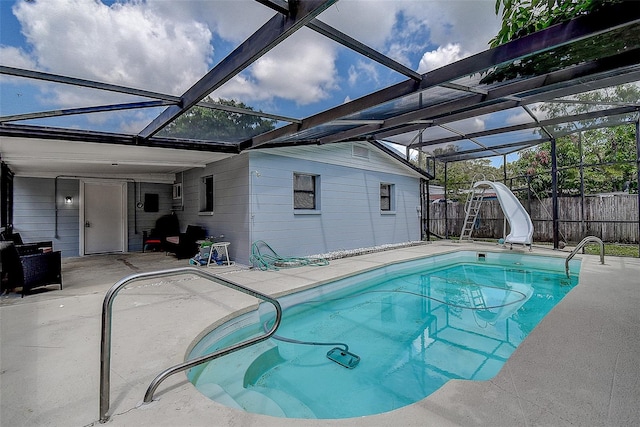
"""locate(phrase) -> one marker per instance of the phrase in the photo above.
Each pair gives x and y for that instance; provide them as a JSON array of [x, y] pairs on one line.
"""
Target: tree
[[534, 164], [609, 149], [461, 174], [218, 125], [523, 17]]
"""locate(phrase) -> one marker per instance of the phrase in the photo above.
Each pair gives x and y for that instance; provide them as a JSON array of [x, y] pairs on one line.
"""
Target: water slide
[[519, 220]]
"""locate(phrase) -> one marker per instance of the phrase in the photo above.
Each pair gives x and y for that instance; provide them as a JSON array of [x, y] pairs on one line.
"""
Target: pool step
[[224, 382], [253, 401], [215, 392], [291, 405]]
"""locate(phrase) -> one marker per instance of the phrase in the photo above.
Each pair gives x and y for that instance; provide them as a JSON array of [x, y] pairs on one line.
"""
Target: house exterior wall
[[349, 216], [34, 212], [230, 215], [253, 200], [140, 221], [37, 199]]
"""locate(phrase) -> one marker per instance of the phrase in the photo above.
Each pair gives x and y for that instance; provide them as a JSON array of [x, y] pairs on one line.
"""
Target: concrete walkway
[[580, 366]]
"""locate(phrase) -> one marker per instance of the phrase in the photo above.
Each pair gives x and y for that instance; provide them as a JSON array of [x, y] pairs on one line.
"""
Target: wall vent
[[360, 151]]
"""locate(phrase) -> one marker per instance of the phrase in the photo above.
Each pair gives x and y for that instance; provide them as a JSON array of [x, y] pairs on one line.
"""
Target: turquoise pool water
[[414, 325]]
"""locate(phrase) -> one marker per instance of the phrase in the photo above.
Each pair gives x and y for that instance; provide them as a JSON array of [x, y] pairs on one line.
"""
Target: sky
[[167, 45]]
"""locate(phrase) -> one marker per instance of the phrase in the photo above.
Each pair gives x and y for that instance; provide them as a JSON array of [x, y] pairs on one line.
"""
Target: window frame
[[315, 194], [207, 194], [390, 197]]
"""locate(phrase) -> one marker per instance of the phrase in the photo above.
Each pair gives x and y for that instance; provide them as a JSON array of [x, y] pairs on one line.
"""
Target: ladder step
[[472, 210]]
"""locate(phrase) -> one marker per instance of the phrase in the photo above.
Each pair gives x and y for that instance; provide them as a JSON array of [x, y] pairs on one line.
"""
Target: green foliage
[[613, 148], [218, 125], [523, 17], [613, 249], [535, 165], [610, 149], [606, 153], [460, 175], [590, 49]]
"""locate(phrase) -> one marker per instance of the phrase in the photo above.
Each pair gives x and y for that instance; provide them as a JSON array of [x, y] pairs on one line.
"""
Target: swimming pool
[[413, 325]]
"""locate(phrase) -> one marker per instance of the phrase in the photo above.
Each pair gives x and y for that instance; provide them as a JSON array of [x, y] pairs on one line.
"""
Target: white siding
[[341, 155], [34, 212], [254, 200], [349, 215], [231, 209], [36, 201]]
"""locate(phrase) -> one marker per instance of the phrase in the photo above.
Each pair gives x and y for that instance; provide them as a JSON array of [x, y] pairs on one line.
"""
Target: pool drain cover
[[343, 357]]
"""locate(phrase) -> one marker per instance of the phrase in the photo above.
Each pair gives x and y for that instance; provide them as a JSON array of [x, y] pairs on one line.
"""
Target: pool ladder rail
[[580, 246], [105, 344]]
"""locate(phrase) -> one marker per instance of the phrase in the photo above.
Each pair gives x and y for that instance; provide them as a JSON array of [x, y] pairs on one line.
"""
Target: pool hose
[[292, 341]]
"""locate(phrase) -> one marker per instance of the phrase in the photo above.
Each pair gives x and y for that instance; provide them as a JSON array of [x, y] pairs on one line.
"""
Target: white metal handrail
[[105, 344], [580, 246]]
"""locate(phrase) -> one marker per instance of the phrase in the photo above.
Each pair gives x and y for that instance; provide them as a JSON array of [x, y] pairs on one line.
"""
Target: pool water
[[414, 326]]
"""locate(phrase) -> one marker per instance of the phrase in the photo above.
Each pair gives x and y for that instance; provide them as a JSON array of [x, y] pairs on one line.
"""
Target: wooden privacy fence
[[613, 218]]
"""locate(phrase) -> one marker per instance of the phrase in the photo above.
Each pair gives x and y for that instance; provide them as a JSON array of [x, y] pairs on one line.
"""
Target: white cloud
[[231, 20], [353, 75], [518, 118], [402, 27], [166, 46], [370, 22], [15, 57], [469, 23], [477, 125], [442, 56], [127, 44], [363, 72], [301, 69]]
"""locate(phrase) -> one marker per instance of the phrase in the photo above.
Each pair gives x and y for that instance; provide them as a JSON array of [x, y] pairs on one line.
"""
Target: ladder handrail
[[473, 203], [105, 344], [580, 246]]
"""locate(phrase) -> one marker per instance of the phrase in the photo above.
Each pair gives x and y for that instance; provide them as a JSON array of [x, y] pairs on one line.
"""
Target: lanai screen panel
[[489, 103]]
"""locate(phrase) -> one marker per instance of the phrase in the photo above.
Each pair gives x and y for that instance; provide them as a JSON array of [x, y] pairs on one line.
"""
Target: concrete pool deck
[[579, 366]]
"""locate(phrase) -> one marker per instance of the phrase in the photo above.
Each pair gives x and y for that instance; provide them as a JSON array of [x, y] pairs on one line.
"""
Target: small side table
[[221, 248]]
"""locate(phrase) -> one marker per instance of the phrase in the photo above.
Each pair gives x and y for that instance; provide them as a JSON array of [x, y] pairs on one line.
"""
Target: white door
[[104, 220]]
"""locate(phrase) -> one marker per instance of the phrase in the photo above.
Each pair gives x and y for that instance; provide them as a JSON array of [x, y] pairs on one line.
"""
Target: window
[[305, 189], [206, 194], [387, 197], [177, 191]]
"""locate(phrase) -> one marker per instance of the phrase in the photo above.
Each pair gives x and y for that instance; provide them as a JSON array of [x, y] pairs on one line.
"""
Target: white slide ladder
[[471, 209]]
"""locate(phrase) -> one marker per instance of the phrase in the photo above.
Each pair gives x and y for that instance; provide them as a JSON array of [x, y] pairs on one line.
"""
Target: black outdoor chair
[[29, 266], [167, 235]]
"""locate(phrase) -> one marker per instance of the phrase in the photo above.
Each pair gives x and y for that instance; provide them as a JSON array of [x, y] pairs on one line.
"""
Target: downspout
[[427, 210], [251, 204]]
